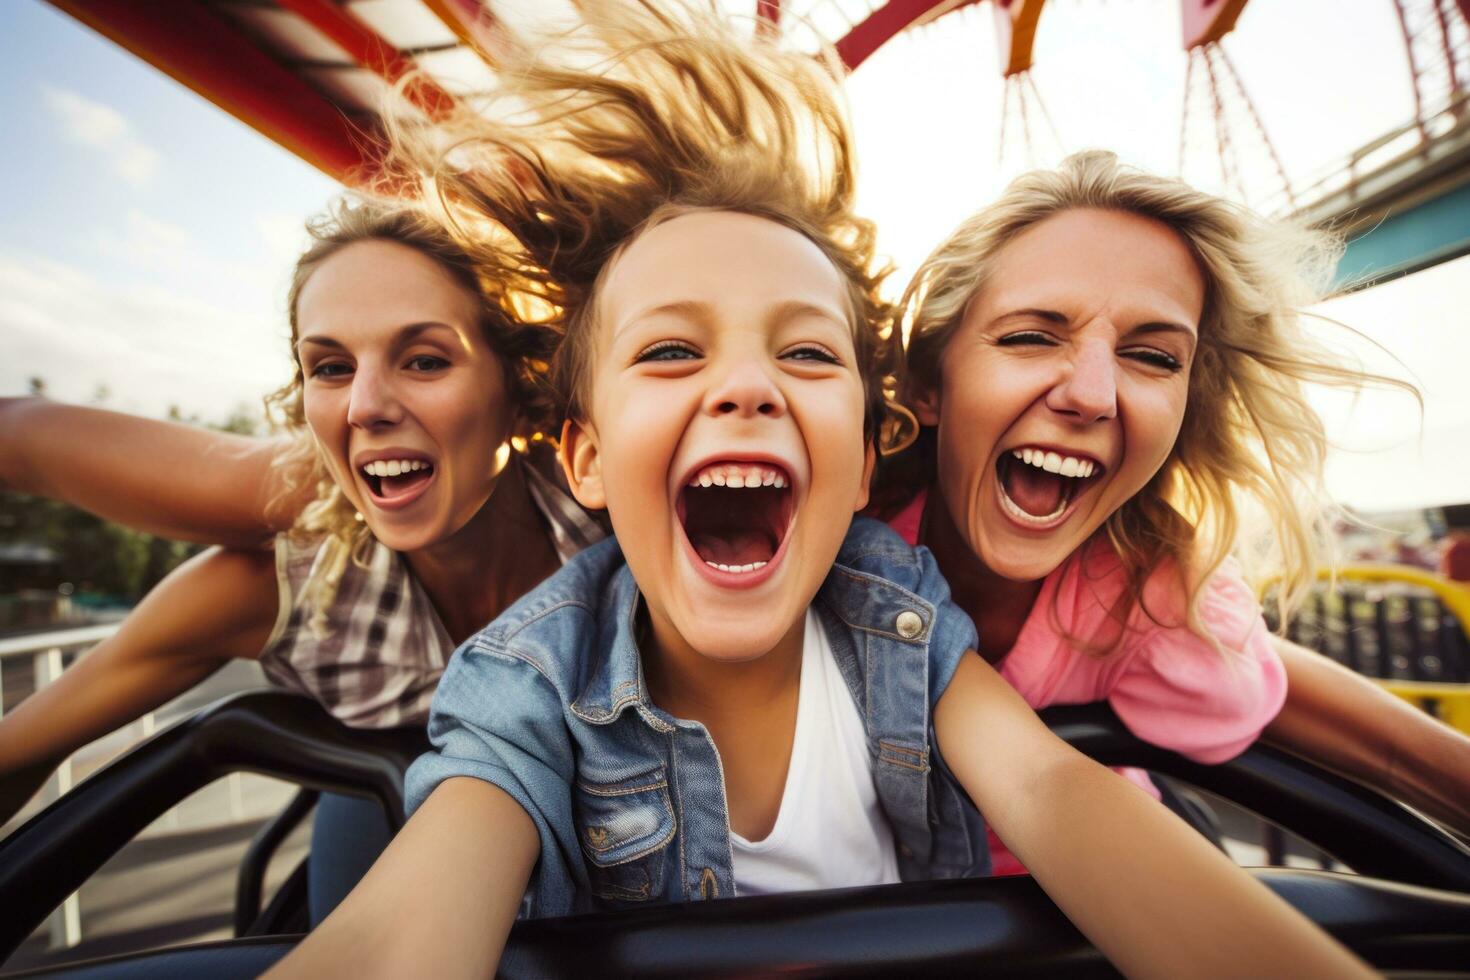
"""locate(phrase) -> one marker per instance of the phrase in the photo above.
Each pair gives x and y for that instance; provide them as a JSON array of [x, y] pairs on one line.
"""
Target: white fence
[[48, 654]]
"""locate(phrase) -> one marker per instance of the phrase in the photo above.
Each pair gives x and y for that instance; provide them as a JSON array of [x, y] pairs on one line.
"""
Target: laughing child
[[748, 690]]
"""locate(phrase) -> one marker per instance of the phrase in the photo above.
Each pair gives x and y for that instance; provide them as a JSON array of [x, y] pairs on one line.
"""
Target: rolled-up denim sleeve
[[495, 717], [953, 634]]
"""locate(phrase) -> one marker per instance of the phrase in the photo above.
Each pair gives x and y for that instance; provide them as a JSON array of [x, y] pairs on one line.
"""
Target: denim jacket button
[[909, 624]]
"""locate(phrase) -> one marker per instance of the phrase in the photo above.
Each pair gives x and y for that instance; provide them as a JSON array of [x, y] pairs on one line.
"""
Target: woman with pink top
[[1106, 367]]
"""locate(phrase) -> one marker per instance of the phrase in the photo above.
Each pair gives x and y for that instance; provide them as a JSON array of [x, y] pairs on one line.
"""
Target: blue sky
[[146, 237]]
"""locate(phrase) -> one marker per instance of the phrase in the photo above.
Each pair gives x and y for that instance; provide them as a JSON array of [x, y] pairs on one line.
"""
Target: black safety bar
[[992, 927], [1369, 833], [293, 738], [250, 883], [274, 733]]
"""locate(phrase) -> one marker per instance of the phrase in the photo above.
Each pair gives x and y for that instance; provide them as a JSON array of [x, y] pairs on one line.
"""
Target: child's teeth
[[736, 568], [738, 478]]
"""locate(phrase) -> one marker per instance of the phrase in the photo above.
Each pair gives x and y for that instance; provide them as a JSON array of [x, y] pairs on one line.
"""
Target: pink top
[[1169, 685]]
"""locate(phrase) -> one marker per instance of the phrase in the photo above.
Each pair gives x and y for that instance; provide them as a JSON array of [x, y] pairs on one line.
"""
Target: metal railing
[[1348, 174], [48, 653], [34, 660]]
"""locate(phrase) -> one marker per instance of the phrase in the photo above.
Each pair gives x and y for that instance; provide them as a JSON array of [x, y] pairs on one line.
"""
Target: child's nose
[[745, 390]]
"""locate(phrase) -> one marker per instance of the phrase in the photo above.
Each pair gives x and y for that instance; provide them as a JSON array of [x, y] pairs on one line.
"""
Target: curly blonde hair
[[522, 350], [1248, 432], [659, 110]]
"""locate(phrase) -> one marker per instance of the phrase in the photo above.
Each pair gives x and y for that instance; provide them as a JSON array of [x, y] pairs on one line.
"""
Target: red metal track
[[472, 21], [370, 51], [199, 49], [885, 23]]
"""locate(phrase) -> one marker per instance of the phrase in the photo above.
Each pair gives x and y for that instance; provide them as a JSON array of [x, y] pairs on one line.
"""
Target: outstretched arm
[[1344, 721], [440, 901], [1148, 891], [177, 481], [216, 606]]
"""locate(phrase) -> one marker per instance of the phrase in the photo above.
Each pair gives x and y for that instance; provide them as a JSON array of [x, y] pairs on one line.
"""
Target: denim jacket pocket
[[625, 828]]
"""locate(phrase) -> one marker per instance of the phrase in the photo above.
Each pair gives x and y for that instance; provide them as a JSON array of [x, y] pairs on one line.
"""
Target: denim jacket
[[549, 704]]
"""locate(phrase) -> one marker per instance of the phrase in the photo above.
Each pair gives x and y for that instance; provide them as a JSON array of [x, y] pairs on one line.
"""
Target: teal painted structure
[[1426, 234]]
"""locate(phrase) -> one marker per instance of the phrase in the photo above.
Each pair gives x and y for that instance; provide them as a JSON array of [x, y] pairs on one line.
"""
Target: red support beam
[[886, 22], [370, 51], [1015, 31], [1207, 21], [202, 51], [768, 18], [472, 22]]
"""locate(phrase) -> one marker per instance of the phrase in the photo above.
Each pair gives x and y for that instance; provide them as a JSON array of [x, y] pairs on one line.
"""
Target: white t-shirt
[[830, 831]]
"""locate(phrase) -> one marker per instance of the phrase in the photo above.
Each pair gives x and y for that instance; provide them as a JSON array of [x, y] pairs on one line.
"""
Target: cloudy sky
[[146, 238]]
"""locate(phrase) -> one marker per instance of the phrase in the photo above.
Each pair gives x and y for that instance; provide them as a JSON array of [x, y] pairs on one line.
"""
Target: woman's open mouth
[[735, 517], [397, 482], [1039, 486]]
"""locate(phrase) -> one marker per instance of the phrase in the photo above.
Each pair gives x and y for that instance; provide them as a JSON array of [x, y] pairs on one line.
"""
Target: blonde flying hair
[[329, 516], [641, 113], [1249, 432]]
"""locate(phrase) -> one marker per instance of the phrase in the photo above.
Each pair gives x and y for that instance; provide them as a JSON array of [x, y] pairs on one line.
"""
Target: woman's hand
[[177, 481], [1345, 722], [1146, 889]]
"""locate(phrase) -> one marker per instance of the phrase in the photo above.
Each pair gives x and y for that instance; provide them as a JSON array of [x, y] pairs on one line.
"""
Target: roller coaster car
[[1408, 909]]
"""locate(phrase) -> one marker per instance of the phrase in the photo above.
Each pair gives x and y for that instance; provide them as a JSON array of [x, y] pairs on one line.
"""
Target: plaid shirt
[[378, 661]]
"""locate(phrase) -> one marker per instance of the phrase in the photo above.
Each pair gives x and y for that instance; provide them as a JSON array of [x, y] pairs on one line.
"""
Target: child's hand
[[441, 899]]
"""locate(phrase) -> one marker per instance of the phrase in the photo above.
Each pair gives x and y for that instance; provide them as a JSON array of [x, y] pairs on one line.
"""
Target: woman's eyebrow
[[1060, 319], [1050, 316], [404, 335], [412, 332], [1163, 326]]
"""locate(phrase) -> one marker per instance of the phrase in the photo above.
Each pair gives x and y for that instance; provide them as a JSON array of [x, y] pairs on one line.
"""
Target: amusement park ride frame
[[309, 74], [312, 75], [294, 69]]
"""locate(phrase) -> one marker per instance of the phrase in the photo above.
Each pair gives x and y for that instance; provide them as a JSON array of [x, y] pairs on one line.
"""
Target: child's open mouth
[[736, 515], [395, 482], [1038, 486]]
